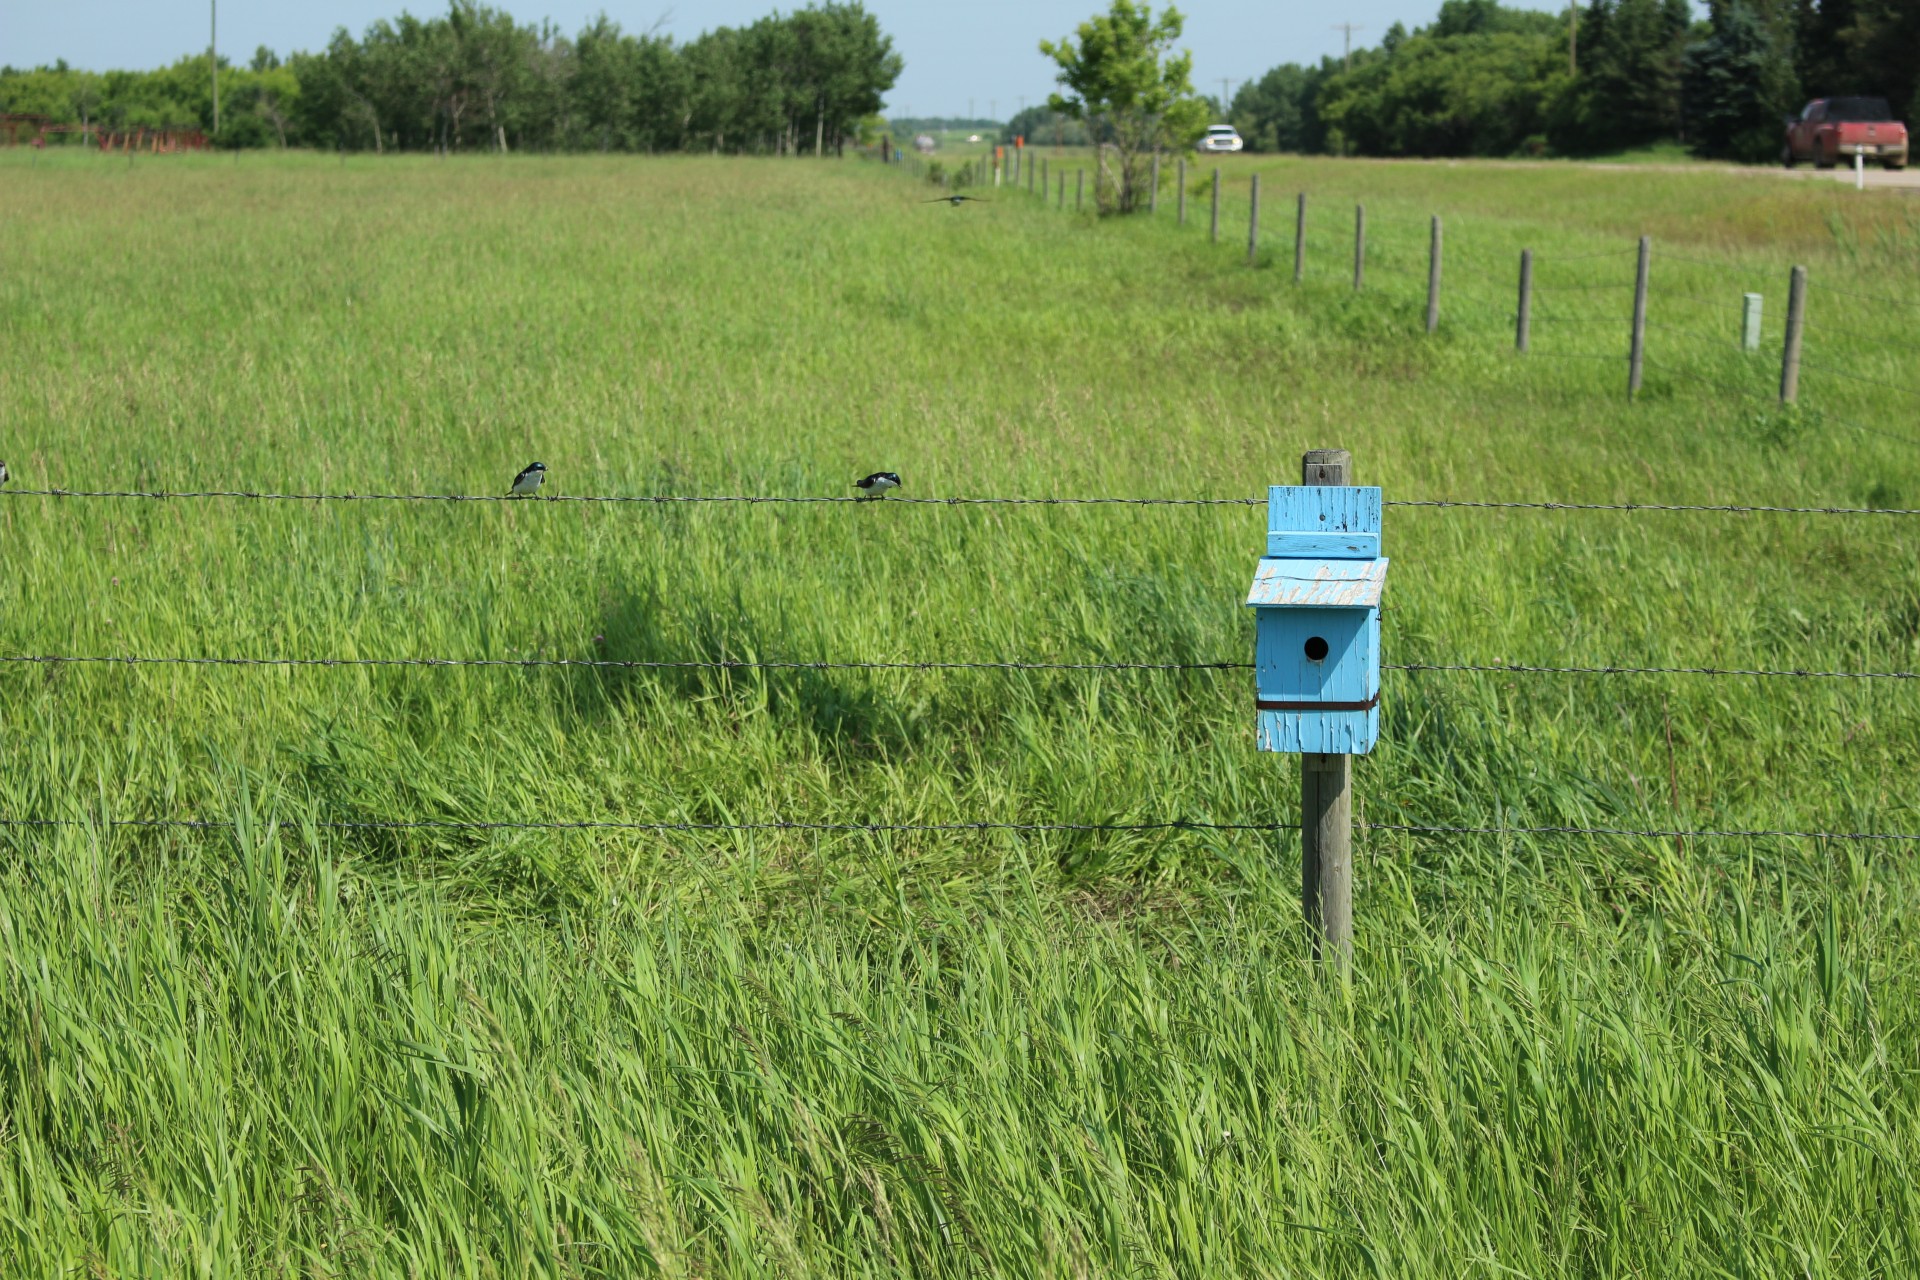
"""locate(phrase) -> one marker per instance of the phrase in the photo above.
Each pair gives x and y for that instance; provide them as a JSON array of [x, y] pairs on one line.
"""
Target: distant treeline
[[1484, 79], [476, 79]]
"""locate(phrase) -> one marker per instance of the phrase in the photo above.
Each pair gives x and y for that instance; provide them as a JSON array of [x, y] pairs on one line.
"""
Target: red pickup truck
[[1830, 128]]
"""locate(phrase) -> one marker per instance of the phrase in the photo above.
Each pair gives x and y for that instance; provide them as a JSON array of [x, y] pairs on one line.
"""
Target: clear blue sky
[[982, 52]]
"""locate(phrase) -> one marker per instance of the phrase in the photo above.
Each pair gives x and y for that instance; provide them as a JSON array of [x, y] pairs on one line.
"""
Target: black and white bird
[[527, 483], [3, 473], [877, 484], [955, 201]]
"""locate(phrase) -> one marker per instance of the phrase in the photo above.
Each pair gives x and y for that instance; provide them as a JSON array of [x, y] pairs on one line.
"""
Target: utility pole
[[213, 58], [1226, 97], [1347, 29]]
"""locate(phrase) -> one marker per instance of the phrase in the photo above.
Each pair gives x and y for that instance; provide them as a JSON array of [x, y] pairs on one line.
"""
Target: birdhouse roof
[[1318, 584]]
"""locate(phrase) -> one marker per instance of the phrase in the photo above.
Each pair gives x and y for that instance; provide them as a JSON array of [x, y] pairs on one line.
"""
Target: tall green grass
[[273, 1046]]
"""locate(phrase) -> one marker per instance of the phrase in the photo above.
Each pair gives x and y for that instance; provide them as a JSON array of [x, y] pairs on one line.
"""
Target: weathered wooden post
[[1214, 233], [1750, 322], [1300, 240], [1523, 318], [1433, 277], [1359, 247], [1637, 354], [1316, 597], [1181, 173], [1079, 189], [1063, 190], [1790, 353], [1253, 223], [1153, 192]]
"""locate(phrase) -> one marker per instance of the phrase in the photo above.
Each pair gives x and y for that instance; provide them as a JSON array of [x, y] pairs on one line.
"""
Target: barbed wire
[[1871, 297], [1873, 382], [1577, 288], [952, 502], [645, 499], [1654, 506], [1708, 834], [1872, 431], [1730, 268], [1176, 824], [716, 664], [1539, 258], [783, 664]]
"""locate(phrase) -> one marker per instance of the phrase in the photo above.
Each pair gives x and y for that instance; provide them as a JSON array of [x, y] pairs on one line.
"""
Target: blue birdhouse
[[1316, 603]]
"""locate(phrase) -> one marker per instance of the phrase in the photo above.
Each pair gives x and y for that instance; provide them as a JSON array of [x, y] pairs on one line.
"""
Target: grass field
[[275, 1047]]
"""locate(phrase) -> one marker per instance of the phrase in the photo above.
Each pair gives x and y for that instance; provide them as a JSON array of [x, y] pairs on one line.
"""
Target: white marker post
[[1859, 172]]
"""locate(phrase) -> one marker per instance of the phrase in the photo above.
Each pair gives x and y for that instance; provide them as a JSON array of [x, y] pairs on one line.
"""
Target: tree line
[[1484, 79], [475, 79]]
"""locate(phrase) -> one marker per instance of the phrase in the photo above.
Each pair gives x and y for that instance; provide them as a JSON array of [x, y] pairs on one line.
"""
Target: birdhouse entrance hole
[[1316, 649]]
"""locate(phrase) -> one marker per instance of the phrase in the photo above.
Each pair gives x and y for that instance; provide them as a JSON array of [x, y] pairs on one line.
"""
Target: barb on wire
[[1872, 382]]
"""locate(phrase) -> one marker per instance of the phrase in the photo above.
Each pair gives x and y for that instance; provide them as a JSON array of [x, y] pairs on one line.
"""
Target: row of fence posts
[[1326, 780], [1038, 174]]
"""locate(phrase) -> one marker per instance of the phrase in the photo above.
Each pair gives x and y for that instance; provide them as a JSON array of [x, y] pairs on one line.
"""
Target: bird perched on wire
[[527, 483], [877, 484], [956, 201]]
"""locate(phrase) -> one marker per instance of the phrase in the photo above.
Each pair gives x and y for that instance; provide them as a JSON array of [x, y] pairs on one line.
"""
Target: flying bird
[[527, 483], [955, 201], [877, 484]]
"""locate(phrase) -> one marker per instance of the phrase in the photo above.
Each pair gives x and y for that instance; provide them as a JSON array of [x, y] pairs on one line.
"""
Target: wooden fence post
[[1079, 189], [1359, 247], [1326, 798], [1523, 318], [1063, 189], [1300, 240], [1153, 192], [1637, 354], [1790, 353], [1214, 233], [1433, 277], [1253, 224], [1182, 175]]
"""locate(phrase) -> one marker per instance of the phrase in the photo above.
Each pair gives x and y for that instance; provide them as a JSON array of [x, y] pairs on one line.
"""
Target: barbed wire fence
[[1355, 259], [1433, 273]]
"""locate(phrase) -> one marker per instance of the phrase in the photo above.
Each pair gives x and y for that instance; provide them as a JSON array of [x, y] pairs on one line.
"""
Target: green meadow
[[279, 1043]]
